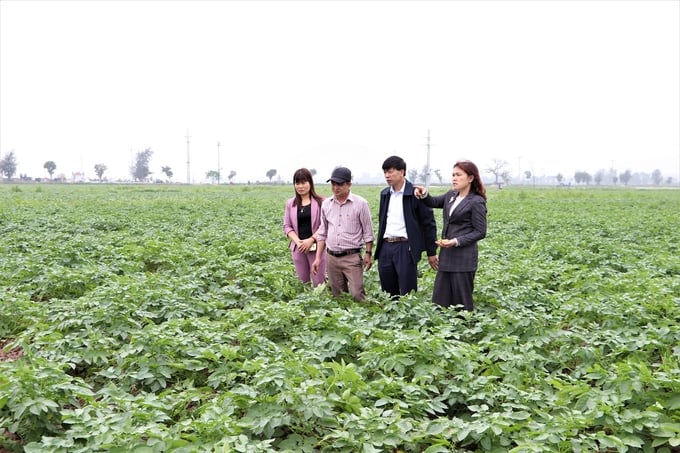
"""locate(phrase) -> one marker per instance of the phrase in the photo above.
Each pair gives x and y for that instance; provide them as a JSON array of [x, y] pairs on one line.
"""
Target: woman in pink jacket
[[300, 221]]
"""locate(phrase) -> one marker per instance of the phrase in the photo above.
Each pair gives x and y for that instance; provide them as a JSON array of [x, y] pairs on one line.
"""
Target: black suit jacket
[[467, 224], [421, 227]]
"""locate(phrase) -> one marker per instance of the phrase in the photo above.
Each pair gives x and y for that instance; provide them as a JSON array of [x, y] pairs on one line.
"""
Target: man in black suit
[[406, 227]]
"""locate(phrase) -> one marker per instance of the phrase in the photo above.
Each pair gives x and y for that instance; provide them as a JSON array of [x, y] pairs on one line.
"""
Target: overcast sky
[[548, 86]]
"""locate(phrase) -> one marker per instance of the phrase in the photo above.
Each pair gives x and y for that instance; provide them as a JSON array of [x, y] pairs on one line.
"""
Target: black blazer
[[421, 227], [467, 224]]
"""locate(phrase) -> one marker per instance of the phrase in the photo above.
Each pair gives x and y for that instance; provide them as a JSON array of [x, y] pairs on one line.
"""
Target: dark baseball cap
[[340, 175]]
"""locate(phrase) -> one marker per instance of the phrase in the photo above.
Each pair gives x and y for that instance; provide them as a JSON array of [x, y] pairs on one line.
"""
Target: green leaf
[[436, 427], [673, 403], [667, 430], [144, 449], [632, 441], [520, 415], [436, 449]]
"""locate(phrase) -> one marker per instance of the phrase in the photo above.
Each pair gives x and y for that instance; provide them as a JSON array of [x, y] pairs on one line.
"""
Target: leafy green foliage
[[170, 319]]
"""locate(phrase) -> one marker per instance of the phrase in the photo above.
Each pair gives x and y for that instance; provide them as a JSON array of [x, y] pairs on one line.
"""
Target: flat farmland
[[168, 318]]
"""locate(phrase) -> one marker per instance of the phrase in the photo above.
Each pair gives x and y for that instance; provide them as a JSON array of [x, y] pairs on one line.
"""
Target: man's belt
[[396, 239], [343, 252]]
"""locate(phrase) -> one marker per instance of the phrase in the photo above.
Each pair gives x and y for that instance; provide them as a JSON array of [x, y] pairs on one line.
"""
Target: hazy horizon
[[549, 87]]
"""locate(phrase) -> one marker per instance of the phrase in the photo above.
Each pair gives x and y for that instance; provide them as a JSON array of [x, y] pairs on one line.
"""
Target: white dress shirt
[[396, 226]]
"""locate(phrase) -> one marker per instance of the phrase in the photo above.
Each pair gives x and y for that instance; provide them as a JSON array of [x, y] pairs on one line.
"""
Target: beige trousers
[[346, 274]]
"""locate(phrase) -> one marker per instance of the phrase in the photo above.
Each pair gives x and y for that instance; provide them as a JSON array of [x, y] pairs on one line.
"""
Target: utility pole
[[218, 162], [519, 169], [428, 170], [188, 160]]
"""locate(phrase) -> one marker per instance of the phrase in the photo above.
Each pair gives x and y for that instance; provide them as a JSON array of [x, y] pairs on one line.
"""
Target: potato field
[[168, 318]]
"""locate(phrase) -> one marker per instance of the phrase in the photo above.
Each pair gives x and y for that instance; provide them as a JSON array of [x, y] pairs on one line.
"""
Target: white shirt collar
[[401, 190]]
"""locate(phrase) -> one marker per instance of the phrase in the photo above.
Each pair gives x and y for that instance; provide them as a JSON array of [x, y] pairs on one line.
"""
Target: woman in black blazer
[[464, 209]]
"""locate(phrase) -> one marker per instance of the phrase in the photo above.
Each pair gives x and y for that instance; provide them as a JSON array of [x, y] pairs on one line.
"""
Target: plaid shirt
[[345, 226]]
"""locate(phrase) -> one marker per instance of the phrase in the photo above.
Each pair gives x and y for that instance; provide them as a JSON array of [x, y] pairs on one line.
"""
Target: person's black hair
[[304, 175], [395, 162]]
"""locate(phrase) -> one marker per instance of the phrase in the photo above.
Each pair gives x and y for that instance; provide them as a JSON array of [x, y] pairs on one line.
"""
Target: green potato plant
[[169, 319]]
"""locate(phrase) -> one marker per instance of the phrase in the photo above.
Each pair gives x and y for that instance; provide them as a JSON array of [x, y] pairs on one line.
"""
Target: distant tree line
[[140, 171], [498, 168]]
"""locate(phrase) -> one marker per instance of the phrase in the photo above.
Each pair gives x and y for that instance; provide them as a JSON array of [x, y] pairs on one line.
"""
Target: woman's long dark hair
[[304, 175], [477, 186]]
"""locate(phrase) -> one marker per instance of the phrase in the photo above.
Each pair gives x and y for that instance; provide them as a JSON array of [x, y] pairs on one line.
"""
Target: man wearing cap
[[406, 228], [346, 226]]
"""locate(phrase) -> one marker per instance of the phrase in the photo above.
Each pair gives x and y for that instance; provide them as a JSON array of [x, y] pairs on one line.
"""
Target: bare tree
[[231, 175], [438, 174], [505, 176], [497, 168]]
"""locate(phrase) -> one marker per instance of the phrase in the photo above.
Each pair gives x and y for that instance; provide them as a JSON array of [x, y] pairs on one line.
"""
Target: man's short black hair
[[395, 162]]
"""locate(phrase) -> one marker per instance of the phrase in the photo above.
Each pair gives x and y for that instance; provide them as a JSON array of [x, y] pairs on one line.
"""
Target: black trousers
[[396, 268], [454, 289]]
